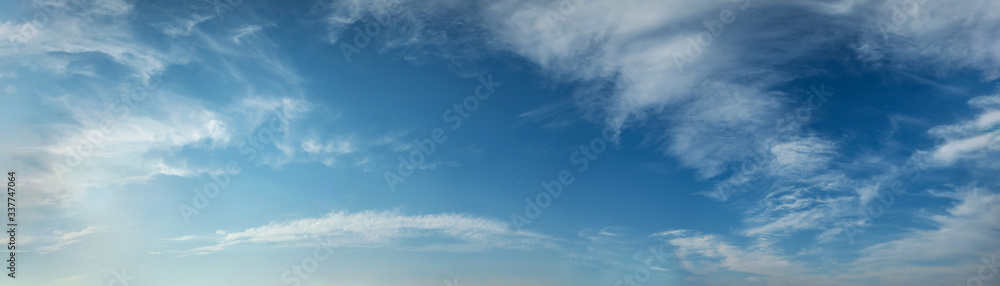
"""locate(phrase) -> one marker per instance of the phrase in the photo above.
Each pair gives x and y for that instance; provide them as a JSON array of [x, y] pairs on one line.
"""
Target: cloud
[[72, 280], [706, 254], [387, 229], [941, 253], [722, 112], [669, 233], [130, 117], [959, 237], [967, 229], [789, 186], [17, 33], [392, 138], [183, 26], [247, 30], [64, 239], [621, 58], [930, 36], [551, 116], [101, 149], [183, 238], [976, 140], [796, 211], [342, 146], [712, 260], [68, 32], [329, 151], [802, 156]]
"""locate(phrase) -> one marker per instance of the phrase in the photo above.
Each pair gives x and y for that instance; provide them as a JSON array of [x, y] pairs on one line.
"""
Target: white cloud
[[630, 47], [329, 152], [706, 254], [802, 156], [963, 234], [957, 238], [184, 26], [100, 149], [246, 30], [975, 140], [67, 31], [723, 126], [944, 36], [670, 233], [727, 92], [797, 211], [17, 33], [392, 230], [335, 146], [64, 239], [968, 228], [135, 144]]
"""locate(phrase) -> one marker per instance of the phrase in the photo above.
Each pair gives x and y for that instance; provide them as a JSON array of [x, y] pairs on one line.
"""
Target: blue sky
[[394, 142]]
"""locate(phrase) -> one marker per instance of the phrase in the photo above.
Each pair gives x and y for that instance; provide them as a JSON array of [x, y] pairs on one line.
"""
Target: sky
[[507, 142]]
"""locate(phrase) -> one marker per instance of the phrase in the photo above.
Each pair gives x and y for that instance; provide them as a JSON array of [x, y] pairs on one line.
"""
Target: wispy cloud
[[247, 30], [976, 140], [64, 239], [387, 229], [966, 231]]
